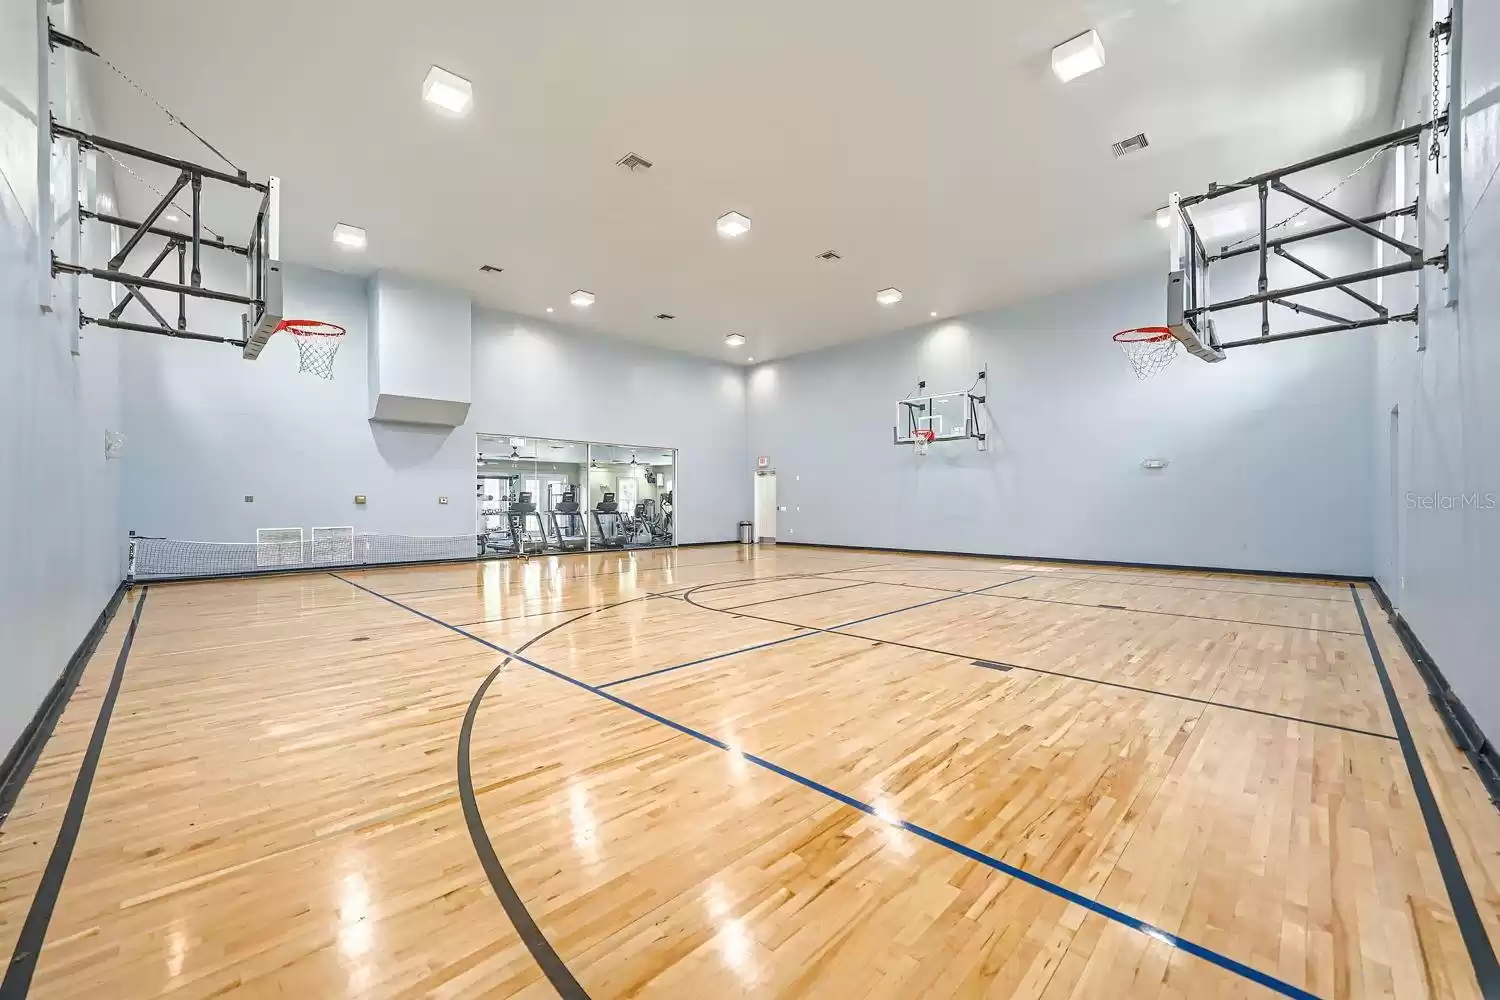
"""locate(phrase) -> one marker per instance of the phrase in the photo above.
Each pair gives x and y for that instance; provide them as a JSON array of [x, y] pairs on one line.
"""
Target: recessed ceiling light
[[349, 237], [1078, 56], [582, 299], [888, 296], [933, 315], [733, 224], [549, 308], [448, 91], [749, 359], [735, 340]]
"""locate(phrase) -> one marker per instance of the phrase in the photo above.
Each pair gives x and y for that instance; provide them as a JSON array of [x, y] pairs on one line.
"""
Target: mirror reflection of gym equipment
[[543, 495]]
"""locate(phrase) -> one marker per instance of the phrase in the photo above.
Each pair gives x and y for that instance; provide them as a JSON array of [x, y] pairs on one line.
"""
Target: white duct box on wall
[[421, 350]]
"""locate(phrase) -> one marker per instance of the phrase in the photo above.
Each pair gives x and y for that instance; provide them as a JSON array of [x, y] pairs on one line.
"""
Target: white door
[[765, 506]]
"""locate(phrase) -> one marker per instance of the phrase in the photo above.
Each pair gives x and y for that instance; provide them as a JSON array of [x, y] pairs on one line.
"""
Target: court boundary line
[[33, 936], [1287, 574], [1108, 607], [836, 630], [29, 745], [1471, 928], [808, 630], [995, 864], [1138, 583]]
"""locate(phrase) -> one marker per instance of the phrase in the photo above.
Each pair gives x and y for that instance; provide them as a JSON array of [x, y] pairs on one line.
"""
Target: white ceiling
[[927, 143]]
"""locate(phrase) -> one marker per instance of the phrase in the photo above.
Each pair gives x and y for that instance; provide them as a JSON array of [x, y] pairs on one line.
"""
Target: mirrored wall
[[546, 495]]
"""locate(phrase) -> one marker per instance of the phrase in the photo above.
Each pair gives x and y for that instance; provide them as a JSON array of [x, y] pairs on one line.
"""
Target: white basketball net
[[317, 345], [922, 439], [1149, 355]]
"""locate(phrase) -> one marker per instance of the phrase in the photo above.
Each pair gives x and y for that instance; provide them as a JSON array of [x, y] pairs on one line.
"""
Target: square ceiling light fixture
[[733, 224], [448, 91], [735, 340], [1078, 56], [349, 237], [888, 296], [582, 299]]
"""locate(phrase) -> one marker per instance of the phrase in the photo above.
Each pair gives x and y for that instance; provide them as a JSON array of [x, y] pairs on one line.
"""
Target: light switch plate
[[359, 498]]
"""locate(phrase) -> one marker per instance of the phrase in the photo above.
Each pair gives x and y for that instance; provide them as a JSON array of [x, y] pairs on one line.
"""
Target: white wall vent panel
[[333, 545], [278, 546]]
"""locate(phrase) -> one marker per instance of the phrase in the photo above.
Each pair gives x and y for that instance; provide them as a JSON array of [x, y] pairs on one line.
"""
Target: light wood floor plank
[[277, 810]]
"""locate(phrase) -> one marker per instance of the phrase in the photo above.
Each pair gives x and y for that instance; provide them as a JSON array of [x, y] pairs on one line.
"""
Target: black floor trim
[[1476, 939], [18, 973], [1466, 732], [33, 739], [1290, 574]]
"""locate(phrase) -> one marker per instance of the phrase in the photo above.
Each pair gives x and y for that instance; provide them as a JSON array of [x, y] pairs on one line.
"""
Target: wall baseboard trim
[[1467, 736], [1289, 574], [33, 739]]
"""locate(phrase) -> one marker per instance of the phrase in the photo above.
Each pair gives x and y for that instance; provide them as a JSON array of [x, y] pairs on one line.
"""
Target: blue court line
[[1108, 912], [812, 630]]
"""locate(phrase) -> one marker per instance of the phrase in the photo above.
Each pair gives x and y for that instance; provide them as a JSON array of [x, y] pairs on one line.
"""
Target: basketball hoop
[[1150, 349], [922, 439], [317, 344]]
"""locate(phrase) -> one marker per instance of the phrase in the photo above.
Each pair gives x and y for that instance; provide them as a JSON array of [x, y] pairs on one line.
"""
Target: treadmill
[[608, 524], [569, 533], [522, 515]]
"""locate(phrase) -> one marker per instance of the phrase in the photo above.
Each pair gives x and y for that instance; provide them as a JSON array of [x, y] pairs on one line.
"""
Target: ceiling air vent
[[1134, 144], [490, 268], [633, 162], [830, 255], [665, 316]]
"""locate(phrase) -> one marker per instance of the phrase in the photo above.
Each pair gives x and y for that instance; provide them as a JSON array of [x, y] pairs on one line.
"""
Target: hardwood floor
[[733, 772]]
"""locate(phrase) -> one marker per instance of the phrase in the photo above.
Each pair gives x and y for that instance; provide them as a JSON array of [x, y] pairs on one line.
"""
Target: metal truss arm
[[1347, 220], [1375, 307]]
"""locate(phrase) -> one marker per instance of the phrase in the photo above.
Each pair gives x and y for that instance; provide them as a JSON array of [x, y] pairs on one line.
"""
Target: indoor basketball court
[[934, 531]]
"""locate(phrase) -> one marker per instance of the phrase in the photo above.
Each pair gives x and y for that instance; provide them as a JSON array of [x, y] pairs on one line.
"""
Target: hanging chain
[[1307, 208], [1440, 31], [171, 117]]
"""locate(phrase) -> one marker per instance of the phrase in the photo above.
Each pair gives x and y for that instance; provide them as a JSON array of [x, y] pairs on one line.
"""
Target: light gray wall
[[212, 428], [1269, 451], [60, 556], [1442, 566]]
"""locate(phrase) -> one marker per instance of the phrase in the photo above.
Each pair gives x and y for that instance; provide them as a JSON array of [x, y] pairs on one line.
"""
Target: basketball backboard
[[1187, 286], [946, 414]]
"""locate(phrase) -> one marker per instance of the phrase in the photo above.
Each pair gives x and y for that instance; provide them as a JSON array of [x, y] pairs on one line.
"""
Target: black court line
[[558, 611], [1465, 913], [546, 956], [1103, 580], [789, 597], [17, 981], [838, 630], [1215, 958], [1134, 611], [811, 630]]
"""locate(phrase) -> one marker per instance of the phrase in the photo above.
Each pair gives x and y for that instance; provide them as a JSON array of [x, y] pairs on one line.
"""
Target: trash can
[[747, 533]]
